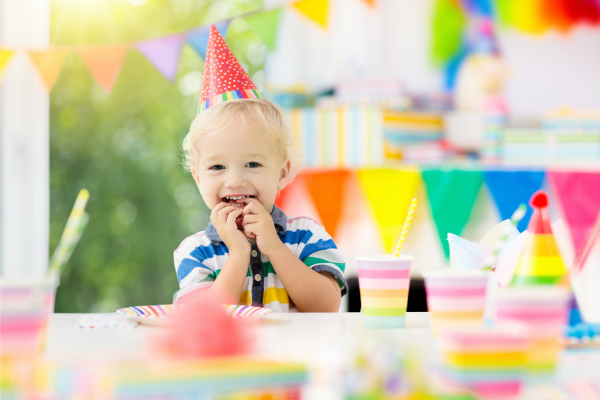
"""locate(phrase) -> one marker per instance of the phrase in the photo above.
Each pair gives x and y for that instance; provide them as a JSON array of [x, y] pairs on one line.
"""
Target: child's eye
[[253, 165], [217, 167]]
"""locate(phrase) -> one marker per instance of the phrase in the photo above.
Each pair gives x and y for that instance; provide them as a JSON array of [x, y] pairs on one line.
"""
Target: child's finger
[[222, 215], [254, 207], [216, 210], [250, 219], [231, 217], [249, 230]]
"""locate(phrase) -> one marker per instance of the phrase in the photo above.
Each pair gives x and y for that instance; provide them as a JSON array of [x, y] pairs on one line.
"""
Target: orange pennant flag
[[104, 63], [314, 9], [326, 187], [49, 63], [5, 56]]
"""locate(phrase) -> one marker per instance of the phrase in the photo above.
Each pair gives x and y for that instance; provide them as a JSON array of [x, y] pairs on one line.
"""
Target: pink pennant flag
[[578, 194], [164, 54]]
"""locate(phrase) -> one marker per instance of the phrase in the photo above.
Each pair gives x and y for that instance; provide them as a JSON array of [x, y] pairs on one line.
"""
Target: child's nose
[[235, 179]]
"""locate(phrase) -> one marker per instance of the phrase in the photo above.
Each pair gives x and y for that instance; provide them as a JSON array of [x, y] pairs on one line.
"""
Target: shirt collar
[[279, 219]]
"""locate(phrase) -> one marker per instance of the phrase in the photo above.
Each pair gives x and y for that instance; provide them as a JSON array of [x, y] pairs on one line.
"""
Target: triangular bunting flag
[[49, 63], [327, 191], [285, 196], [295, 200], [578, 194], [451, 197], [389, 192], [198, 38], [5, 56], [509, 189], [265, 26], [164, 54], [314, 9], [104, 63]]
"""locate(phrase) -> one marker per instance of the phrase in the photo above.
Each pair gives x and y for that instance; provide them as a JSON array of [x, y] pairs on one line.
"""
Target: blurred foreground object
[[487, 361], [544, 311], [28, 302], [201, 328], [26, 306]]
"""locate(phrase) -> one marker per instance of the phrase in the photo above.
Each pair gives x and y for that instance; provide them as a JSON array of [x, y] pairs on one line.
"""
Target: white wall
[[552, 70], [393, 39], [24, 127]]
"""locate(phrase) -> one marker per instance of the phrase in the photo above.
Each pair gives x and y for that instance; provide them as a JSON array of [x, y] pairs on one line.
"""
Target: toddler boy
[[238, 153]]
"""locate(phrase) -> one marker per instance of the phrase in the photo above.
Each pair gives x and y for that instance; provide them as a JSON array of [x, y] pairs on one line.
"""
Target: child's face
[[236, 163]]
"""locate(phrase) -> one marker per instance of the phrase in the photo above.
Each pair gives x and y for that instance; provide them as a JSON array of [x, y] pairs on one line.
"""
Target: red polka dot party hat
[[224, 78]]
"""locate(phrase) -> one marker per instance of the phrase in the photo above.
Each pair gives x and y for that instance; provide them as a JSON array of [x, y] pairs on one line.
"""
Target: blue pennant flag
[[198, 38], [512, 188]]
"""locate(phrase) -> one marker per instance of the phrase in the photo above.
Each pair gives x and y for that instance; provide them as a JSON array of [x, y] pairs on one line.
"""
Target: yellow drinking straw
[[409, 216], [75, 225]]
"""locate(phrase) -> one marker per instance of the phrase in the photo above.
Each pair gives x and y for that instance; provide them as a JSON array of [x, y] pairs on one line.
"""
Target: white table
[[326, 343]]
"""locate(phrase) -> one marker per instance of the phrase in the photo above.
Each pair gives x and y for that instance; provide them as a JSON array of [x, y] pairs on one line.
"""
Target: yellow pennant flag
[[314, 9], [5, 56], [49, 63], [389, 192]]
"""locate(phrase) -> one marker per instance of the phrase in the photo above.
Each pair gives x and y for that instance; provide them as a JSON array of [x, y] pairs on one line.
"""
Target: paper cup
[[26, 307], [455, 297], [544, 310], [384, 281], [486, 360]]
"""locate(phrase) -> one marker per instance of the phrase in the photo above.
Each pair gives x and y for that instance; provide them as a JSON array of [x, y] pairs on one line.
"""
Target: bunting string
[[104, 62]]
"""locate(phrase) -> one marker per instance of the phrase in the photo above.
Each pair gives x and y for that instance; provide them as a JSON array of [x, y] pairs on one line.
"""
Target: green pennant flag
[[265, 25], [451, 197]]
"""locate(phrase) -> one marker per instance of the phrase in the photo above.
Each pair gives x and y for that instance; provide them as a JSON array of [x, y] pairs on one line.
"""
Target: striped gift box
[[384, 282], [455, 297]]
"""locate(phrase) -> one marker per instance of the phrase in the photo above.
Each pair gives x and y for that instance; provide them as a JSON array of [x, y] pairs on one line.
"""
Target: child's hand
[[259, 224], [223, 218]]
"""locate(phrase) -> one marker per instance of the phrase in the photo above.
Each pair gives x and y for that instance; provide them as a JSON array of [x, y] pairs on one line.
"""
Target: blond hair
[[256, 114]]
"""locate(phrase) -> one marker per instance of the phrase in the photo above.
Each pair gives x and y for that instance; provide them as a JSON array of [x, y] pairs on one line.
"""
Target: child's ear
[[194, 172], [284, 174]]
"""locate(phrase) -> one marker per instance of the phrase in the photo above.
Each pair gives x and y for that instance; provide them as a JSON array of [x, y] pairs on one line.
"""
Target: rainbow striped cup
[[384, 281], [544, 310], [455, 297], [485, 360], [26, 306]]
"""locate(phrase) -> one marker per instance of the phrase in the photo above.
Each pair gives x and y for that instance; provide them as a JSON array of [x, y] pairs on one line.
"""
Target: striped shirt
[[200, 258]]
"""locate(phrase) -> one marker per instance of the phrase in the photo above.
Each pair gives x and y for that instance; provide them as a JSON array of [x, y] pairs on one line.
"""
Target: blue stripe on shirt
[[187, 266], [318, 246], [202, 253], [296, 237]]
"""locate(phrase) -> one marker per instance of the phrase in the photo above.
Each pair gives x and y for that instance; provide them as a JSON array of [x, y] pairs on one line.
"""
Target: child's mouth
[[232, 201]]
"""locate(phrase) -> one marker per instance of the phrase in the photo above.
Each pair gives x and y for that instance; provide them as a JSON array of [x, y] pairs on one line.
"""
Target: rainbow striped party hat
[[224, 78], [540, 262]]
